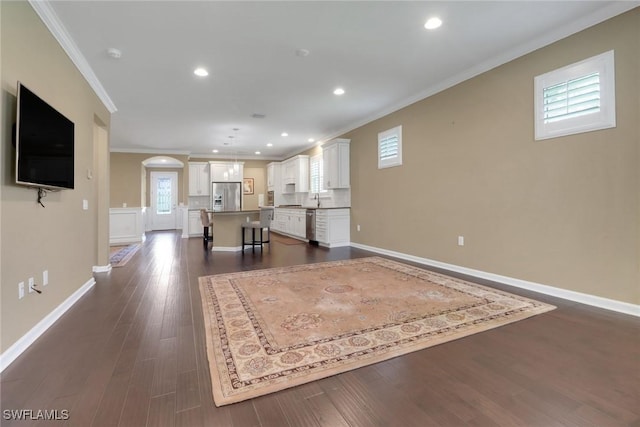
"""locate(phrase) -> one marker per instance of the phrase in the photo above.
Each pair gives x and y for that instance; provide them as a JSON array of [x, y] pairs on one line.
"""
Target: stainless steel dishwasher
[[311, 225]]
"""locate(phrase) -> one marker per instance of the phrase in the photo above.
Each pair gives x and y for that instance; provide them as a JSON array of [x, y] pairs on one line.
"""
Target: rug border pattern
[[229, 387]]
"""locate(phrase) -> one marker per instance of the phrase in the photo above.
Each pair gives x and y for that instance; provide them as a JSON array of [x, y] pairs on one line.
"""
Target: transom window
[[577, 98], [390, 148]]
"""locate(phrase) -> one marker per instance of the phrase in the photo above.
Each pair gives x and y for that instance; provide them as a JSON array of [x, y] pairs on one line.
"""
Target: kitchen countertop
[[229, 212], [311, 207]]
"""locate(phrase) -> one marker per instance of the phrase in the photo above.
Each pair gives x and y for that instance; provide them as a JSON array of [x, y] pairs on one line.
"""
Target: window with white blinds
[[572, 98], [390, 148], [316, 174], [577, 98]]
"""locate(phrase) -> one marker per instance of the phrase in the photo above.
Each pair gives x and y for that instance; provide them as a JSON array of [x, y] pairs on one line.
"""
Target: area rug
[[267, 330], [120, 255]]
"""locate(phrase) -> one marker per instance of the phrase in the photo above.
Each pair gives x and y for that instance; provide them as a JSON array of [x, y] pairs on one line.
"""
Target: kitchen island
[[227, 228]]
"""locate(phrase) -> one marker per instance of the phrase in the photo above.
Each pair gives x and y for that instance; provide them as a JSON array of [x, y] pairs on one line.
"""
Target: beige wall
[[256, 169], [61, 238], [562, 212], [128, 183]]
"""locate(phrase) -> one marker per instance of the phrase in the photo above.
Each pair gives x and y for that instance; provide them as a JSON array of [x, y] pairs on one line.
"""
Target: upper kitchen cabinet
[[199, 179], [273, 170], [335, 160], [295, 174], [227, 171]]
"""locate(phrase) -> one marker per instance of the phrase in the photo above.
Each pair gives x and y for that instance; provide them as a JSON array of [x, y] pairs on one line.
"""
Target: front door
[[164, 197]]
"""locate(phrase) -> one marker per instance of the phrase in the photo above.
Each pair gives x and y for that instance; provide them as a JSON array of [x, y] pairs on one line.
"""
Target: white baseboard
[[226, 248], [593, 300], [29, 338], [334, 245], [102, 268], [127, 240]]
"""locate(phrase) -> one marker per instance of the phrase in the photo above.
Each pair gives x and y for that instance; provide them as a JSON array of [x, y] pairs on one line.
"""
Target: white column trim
[[102, 268]]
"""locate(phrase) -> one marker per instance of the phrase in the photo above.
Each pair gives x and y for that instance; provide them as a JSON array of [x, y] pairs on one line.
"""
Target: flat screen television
[[44, 144]]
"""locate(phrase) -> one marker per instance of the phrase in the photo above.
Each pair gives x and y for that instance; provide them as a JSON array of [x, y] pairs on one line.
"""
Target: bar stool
[[266, 215], [207, 223]]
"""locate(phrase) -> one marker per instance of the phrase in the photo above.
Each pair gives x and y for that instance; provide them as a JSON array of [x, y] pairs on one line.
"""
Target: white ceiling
[[379, 52]]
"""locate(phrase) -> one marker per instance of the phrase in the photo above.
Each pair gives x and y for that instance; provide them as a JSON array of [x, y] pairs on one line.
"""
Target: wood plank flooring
[[132, 352]]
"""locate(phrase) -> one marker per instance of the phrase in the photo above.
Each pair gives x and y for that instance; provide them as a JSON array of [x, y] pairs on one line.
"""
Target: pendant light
[[236, 165]]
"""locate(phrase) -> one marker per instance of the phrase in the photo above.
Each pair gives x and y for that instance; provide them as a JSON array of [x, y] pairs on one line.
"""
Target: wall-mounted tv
[[44, 144]]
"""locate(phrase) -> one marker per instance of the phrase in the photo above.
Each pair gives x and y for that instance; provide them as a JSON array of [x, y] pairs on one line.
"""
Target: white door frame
[[164, 221]]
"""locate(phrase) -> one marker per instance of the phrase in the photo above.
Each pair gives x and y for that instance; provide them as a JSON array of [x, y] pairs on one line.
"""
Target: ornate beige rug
[[268, 330]]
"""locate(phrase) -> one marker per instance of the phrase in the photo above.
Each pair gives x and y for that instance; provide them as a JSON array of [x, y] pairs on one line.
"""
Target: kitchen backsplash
[[329, 199], [198, 202]]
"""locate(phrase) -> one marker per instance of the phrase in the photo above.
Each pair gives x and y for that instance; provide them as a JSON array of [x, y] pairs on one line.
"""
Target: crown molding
[[601, 15], [149, 151], [233, 157], [50, 19]]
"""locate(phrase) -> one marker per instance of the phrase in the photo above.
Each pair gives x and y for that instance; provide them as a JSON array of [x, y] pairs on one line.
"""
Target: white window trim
[[320, 159], [397, 161], [604, 64]]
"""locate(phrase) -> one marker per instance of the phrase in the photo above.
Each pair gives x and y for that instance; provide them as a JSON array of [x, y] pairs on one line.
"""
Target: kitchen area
[[310, 194]]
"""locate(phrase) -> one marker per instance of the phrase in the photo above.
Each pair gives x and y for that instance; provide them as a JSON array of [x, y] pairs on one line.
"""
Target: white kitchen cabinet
[[195, 224], [298, 224], [295, 174], [290, 221], [335, 160], [333, 227], [199, 179], [271, 175], [278, 222], [227, 171]]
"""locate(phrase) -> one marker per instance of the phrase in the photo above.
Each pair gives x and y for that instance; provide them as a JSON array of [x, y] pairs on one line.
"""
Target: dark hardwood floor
[[132, 352]]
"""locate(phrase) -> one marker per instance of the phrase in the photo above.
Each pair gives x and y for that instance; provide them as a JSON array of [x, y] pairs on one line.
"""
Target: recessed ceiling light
[[269, 145], [284, 134], [433, 23], [114, 53], [200, 72], [311, 140], [215, 151], [338, 91], [257, 152]]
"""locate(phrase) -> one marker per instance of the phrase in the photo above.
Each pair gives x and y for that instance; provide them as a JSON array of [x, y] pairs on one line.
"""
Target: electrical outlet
[[20, 290], [31, 283], [45, 278], [358, 227], [460, 240]]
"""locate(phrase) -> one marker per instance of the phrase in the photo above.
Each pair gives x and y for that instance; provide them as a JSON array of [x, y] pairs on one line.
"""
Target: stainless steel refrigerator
[[226, 196]]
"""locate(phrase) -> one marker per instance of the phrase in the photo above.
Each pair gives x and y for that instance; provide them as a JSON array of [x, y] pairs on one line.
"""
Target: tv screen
[[44, 143]]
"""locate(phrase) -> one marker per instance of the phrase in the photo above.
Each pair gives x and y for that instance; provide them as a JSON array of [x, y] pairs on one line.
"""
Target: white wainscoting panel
[[126, 225]]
